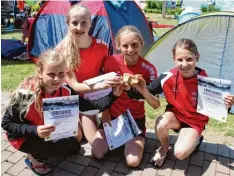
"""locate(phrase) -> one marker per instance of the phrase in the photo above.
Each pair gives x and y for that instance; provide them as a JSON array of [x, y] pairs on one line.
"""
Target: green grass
[[15, 35], [158, 18], [14, 72]]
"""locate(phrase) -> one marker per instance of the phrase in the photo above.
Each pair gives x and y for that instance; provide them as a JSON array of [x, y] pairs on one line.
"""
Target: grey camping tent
[[214, 36]]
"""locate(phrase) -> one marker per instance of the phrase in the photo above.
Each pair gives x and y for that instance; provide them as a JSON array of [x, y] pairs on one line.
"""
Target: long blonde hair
[[68, 46], [32, 86]]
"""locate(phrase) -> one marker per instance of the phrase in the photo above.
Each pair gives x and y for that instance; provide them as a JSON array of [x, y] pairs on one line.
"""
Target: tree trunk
[[164, 9]]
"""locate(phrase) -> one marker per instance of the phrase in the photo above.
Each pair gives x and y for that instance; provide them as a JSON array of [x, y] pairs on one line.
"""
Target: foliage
[[156, 7], [210, 8], [35, 7]]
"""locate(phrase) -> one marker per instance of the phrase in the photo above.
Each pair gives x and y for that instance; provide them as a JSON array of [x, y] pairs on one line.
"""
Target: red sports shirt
[[116, 64]]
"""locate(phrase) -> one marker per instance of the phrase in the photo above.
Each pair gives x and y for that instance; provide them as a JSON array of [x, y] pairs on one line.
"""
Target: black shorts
[[140, 123]]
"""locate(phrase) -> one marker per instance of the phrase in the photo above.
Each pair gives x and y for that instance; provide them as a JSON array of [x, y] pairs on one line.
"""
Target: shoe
[[156, 160], [30, 166], [198, 144]]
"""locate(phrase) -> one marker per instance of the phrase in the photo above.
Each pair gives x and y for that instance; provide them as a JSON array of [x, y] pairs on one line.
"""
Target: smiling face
[[130, 46], [53, 75], [185, 61], [79, 22]]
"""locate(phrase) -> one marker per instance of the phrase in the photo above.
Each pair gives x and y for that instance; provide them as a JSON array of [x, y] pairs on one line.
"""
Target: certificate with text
[[122, 129], [63, 113], [211, 93]]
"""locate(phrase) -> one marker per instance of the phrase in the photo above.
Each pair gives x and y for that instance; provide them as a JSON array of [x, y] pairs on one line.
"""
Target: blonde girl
[[23, 119], [85, 56], [129, 41]]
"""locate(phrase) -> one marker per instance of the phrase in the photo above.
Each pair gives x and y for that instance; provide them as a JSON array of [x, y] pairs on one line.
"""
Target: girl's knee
[[133, 161], [99, 148], [161, 124], [180, 153]]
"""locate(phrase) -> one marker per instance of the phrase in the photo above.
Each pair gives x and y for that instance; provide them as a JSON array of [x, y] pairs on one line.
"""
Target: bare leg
[[99, 147], [163, 124], [186, 143], [80, 133], [41, 170], [134, 150], [89, 126]]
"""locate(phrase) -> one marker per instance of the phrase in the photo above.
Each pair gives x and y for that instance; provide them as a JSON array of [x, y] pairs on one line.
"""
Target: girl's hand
[[141, 85], [229, 100], [70, 78], [112, 80], [45, 130], [117, 91], [106, 117]]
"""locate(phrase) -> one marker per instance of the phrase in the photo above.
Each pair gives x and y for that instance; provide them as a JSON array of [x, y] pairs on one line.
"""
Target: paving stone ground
[[211, 160]]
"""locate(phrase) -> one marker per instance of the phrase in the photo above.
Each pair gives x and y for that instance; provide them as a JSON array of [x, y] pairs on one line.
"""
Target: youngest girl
[[23, 119]]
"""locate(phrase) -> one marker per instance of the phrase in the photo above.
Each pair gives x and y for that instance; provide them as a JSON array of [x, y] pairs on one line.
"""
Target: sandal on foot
[[30, 166], [158, 160]]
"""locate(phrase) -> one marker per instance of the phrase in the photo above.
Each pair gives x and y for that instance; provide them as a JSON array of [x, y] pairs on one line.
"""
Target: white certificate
[[211, 93], [63, 112], [122, 129], [96, 95]]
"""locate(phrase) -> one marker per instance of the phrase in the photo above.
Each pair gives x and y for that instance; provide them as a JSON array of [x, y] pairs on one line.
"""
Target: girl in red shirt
[[180, 88], [85, 55], [23, 120], [129, 41]]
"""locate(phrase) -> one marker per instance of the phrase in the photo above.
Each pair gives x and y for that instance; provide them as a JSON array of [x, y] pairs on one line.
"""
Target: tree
[[164, 9]]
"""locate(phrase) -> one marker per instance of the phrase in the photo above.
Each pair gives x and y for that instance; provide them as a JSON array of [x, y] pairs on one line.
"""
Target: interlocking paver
[[26, 172], [71, 167], [197, 159], [5, 166], [134, 172], [208, 168], [17, 167], [4, 145], [211, 148], [223, 165], [4, 155], [89, 171], [144, 160], [193, 171], [11, 149], [202, 147], [178, 173], [84, 161], [107, 168], [231, 152], [122, 168], [149, 145], [60, 172], [16, 157], [232, 168], [96, 163], [210, 157], [173, 139], [166, 169], [220, 174], [149, 170], [182, 165], [223, 150]]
